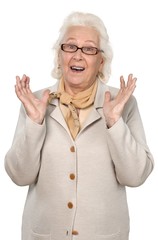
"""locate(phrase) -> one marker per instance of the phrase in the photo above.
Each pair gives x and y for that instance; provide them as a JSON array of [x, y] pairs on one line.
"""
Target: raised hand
[[113, 108], [35, 108]]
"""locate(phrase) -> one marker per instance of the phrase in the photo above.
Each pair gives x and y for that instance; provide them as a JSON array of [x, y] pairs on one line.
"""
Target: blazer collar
[[100, 94]]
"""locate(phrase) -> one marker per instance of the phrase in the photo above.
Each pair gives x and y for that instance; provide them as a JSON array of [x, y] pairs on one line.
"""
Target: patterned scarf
[[81, 100]]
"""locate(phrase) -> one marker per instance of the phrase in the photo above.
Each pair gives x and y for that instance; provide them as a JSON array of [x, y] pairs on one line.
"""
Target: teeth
[[77, 68]]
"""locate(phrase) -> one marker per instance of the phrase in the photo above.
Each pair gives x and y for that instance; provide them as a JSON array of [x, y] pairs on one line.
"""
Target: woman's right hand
[[35, 108]]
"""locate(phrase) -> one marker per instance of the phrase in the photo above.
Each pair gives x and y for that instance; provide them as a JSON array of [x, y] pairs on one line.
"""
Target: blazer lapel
[[55, 111], [97, 111], [94, 116], [57, 115]]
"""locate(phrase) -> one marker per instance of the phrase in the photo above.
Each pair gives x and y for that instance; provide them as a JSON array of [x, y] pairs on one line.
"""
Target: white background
[[28, 30]]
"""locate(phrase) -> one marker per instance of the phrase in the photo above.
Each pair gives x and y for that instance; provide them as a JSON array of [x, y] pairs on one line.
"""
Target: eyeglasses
[[71, 48]]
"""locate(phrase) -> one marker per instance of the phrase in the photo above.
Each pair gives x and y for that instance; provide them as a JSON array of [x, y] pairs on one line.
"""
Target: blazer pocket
[[36, 236]]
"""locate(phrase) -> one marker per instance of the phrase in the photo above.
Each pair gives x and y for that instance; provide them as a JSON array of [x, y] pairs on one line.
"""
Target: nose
[[78, 55]]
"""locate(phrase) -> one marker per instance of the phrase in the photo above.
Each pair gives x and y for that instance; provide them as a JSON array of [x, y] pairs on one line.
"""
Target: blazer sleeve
[[22, 161], [131, 156]]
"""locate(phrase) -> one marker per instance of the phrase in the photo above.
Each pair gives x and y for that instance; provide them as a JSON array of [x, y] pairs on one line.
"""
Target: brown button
[[70, 205], [72, 149], [72, 176], [74, 232]]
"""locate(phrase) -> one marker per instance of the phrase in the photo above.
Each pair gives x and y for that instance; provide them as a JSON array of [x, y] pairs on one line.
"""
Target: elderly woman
[[79, 143]]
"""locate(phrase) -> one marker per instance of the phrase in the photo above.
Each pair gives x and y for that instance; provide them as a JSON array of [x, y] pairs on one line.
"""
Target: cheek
[[95, 65], [64, 61]]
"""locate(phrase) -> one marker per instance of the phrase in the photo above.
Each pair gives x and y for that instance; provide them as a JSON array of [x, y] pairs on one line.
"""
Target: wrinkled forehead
[[82, 33]]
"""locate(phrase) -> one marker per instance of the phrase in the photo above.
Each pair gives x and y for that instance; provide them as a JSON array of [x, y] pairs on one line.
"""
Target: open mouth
[[77, 69]]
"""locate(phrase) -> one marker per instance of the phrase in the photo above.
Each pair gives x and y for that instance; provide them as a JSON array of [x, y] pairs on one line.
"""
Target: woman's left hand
[[113, 108]]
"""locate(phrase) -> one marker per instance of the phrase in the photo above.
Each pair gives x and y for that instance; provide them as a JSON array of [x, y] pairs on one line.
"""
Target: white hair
[[90, 20]]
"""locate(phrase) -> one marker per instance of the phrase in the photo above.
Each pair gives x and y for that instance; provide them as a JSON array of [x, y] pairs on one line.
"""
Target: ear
[[59, 59], [102, 62]]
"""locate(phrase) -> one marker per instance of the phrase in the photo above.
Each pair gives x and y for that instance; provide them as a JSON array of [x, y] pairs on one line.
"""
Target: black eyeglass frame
[[97, 50]]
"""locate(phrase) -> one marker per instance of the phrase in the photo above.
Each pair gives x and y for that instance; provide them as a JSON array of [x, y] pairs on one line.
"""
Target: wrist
[[111, 122]]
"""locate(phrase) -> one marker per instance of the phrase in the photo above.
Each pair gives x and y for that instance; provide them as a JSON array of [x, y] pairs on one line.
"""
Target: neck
[[74, 90]]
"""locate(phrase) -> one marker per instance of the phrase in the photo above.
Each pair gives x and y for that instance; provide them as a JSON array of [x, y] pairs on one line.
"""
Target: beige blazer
[[77, 188]]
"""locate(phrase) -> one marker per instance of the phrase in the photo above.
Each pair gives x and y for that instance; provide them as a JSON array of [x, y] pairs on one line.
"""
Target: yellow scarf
[[81, 100]]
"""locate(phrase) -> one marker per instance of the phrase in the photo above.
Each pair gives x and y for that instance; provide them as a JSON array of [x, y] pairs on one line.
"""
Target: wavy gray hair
[[90, 20]]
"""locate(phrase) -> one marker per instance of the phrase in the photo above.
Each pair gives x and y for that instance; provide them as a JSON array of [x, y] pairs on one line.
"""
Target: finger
[[17, 79], [19, 94], [24, 83], [130, 80], [20, 87], [128, 92], [130, 76], [17, 91], [28, 85], [122, 82], [122, 88], [107, 97], [18, 83], [132, 83], [28, 80]]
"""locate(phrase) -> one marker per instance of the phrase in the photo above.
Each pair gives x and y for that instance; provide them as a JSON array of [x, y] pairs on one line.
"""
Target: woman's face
[[79, 70]]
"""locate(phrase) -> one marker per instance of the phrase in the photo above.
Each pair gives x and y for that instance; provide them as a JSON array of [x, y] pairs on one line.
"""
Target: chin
[[76, 81]]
